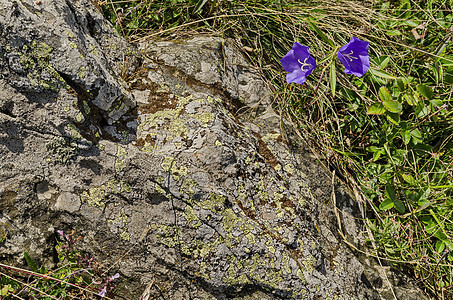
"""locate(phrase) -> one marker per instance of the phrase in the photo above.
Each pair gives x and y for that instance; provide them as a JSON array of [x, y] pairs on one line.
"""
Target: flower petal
[[299, 63], [354, 56]]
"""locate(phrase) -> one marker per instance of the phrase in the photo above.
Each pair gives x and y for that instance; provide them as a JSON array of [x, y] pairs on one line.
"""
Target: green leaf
[[386, 204], [417, 135], [393, 32], [393, 118], [381, 74], [449, 244], [412, 23], [399, 206], [406, 136], [393, 106], [384, 94], [440, 246], [382, 61], [30, 262], [409, 179], [431, 227], [333, 78], [400, 84], [390, 192], [410, 99], [376, 109], [437, 102], [425, 91], [4, 291]]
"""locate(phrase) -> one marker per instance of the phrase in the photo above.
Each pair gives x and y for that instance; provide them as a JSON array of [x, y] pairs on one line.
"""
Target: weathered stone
[[190, 197]]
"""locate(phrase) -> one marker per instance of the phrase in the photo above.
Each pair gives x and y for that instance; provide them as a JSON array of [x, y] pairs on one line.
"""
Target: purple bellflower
[[354, 57], [299, 63]]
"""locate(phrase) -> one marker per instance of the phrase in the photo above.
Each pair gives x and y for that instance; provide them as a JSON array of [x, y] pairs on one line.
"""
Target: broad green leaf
[[376, 109], [333, 78], [30, 262], [437, 102], [393, 32], [374, 149], [412, 23], [446, 62], [381, 74], [440, 235], [440, 246], [4, 291], [449, 244], [431, 227], [425, 91], [421, 110], [386, 204], [417, 135], [399, 206], [409, 179], [406, 136], [410, 99], [398, 156], [376, 155], [384, 94], [382, 61], [400, 84], [393, 106], [390, 192], [393, 118]]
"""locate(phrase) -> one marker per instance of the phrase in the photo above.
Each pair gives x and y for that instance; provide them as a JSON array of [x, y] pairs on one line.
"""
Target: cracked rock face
[[177, 193]]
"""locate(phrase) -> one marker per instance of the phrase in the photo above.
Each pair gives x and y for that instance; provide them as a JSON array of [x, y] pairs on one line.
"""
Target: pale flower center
[[304, 64], [349, 56]]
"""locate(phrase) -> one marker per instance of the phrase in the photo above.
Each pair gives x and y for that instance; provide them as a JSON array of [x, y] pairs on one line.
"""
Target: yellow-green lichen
[[289, 169], [72, 45], [191, 218], [96, 196], [120, 162], [271, 249], [40, 53], [125, 235], [301, 276], [73, 131], [169, 166], [285, 262], [93, 50], [79, 117], [270, 136], [69, 33], [205, 118], [82, 73], [218, 143], [41, 50], [214, 202], [309, 263]]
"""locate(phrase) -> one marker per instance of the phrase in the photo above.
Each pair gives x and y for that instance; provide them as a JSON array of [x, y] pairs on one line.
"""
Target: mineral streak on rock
[[192, 194]]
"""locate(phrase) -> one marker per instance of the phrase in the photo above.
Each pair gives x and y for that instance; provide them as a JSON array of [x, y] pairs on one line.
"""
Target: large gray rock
[[177, 194]]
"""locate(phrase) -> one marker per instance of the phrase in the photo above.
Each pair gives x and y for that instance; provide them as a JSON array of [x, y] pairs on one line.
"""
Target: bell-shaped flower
[[354, 57], [299, 63]]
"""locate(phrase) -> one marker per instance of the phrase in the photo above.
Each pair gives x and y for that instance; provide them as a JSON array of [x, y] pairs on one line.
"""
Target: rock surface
[[184, 185]]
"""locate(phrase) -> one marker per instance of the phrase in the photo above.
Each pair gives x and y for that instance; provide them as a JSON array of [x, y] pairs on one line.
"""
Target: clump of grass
[[76, 276], [390, 132]]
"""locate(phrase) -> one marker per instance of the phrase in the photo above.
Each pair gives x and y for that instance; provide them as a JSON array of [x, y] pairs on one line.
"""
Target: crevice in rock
[[96, 123]]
